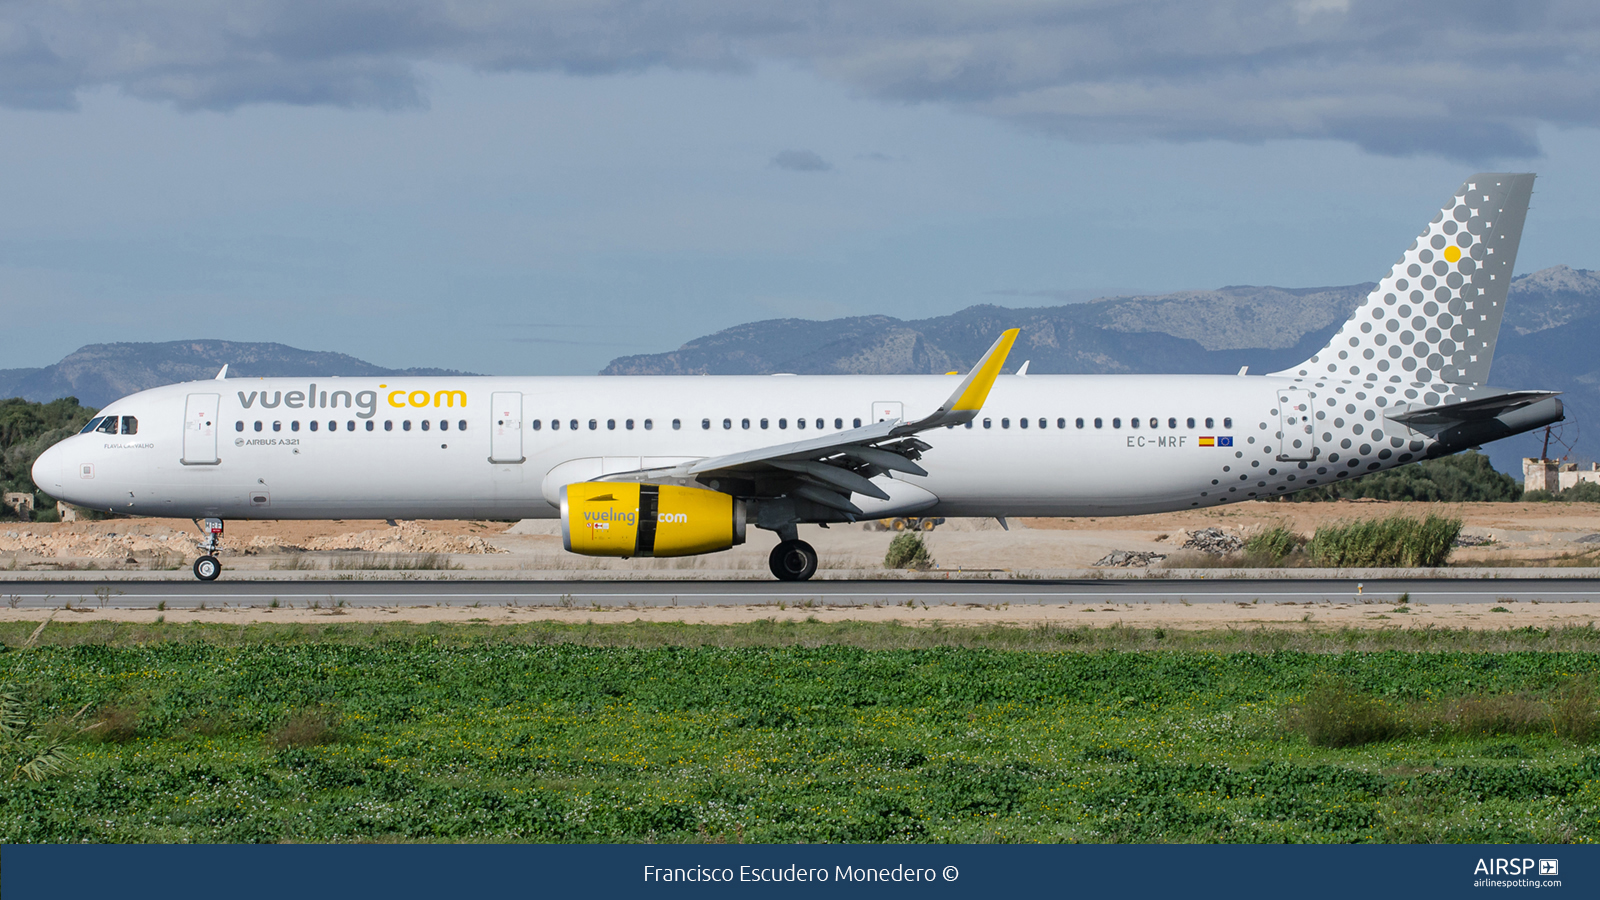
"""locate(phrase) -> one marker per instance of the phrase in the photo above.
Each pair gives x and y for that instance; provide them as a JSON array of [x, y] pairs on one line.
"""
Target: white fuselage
[[253, 453]]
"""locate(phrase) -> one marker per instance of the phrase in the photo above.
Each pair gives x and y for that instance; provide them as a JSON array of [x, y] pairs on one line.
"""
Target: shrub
[[907, 551], [1504, 714], [1395, 541], [114, 724], [1271, 546], [1461, 478], [1336, 715]]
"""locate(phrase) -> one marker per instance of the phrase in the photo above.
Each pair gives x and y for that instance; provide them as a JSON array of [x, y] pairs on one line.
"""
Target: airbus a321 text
[[674, 466]]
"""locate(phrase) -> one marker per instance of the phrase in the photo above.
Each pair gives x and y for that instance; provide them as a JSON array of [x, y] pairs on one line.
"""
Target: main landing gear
[[793, 560], [208, 567]]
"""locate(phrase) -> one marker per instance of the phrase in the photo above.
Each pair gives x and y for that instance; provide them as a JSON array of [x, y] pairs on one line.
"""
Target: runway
[[642, 594]]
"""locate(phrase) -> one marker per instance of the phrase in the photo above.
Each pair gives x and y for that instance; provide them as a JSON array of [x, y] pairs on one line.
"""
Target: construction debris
[[1129, 559], [1213, 540]]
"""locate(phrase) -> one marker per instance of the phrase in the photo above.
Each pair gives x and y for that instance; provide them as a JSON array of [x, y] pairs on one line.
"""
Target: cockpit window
[[108, 425], [92, 424], [130, 425]]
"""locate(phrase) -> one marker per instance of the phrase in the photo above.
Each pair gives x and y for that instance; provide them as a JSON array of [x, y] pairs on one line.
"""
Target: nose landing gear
[[208, 567]]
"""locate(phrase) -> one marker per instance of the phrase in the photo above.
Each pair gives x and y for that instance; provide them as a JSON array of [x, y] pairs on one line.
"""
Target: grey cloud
[[801, 161], [1468, 79]]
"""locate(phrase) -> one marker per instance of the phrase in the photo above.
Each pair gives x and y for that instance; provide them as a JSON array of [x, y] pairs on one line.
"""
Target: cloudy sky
[[538, 187]]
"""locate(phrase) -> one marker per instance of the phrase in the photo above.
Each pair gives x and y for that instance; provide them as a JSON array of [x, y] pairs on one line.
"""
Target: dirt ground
[[1146, 615], [1516, 535]]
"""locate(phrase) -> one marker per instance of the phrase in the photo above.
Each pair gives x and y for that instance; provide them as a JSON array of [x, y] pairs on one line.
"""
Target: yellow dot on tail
[[1452, 254]]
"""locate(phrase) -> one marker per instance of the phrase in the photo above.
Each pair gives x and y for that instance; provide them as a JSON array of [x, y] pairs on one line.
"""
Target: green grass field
[[803, 732]]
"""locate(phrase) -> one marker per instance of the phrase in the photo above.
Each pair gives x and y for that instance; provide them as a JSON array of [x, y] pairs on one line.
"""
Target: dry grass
[[114, 724], [307, 728]]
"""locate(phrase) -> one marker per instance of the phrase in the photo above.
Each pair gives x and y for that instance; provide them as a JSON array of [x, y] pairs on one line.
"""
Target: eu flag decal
[[1224, 440]]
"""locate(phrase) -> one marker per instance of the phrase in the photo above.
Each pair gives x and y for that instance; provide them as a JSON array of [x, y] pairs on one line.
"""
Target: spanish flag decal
[[1208, 442]]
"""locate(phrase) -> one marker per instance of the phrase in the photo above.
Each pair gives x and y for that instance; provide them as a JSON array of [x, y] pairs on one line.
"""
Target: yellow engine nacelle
[[600, 518]]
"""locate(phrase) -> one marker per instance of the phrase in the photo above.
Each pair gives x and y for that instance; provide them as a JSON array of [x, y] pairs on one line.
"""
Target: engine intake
[[626, 519]]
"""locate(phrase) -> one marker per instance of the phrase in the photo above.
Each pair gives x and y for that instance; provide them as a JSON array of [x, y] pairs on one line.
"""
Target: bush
[[1335, 715], [1585, 492], [1395, 541], [907, 551], [1271, 546]]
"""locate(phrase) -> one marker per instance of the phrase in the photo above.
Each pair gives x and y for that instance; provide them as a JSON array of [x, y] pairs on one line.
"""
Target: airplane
[[642, 466]]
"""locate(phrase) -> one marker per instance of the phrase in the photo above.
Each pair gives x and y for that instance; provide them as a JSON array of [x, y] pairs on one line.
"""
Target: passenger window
[[1097, 423], [1078, 422], [594, 425], [1005, 423], [838, 424], [277, 426], [1154, 422], [1116, 423], [460, 426], [628, 424], [555, 424], [538, 424], [1227, 423], [857, 423], [705, 424], [821, 425], [404, 426], [969, 424], [237, 426], [295, 425], [649, 424], [1190, 421], [1172, 423], [987, 423], [745, 424], [1210, 422], [388, 424], [130, 425], [572, 424], [799, 423], [108, 425], [727, 424], [1044, 424], [611, 424], [1132, 423], [783, 423], [314, 425], [332, 425], [370, 426], [1023, 422], [258, 424], [763, 424], [350, 425], [444, 425]]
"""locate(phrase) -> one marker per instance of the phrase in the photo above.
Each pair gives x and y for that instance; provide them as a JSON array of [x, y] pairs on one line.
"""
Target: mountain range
[[1548, 340]]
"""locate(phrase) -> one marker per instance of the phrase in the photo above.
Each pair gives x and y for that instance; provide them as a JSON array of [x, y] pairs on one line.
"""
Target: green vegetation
[[907, 551], [1272, 547], [1462, 478], [26, 430], [1587, 492], [1382, 543], [779, 732]]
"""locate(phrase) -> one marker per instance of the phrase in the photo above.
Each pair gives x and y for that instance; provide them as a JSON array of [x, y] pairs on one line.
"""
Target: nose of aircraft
[[47, 474]]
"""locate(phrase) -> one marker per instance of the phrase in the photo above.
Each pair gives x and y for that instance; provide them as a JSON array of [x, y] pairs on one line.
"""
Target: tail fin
[[1437, 314]]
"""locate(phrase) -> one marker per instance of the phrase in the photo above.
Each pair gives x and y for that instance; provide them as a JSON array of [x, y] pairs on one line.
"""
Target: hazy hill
[[1551, 330], [100, 373]]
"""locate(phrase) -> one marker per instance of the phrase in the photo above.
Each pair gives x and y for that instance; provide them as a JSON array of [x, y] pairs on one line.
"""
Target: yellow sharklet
[[981, 379]]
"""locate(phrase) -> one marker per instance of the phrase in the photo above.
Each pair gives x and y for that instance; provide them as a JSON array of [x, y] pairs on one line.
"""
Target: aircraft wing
[[827, 469]]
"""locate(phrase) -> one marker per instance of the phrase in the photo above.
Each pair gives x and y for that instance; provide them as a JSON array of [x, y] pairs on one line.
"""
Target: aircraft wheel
[[793, 561], [207, 568]]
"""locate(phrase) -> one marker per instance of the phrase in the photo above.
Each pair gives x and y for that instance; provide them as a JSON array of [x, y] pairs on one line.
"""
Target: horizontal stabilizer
[[1469, 411]]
